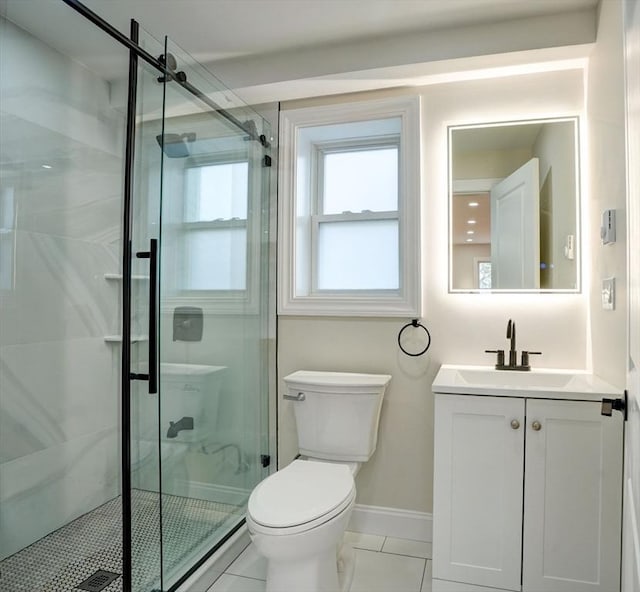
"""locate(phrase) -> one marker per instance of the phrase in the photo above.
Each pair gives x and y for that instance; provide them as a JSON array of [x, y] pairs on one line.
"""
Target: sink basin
[[538, 383], [515, 378]]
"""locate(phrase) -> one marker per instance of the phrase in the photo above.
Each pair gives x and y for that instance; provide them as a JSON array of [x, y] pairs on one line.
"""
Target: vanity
[[527, 481]]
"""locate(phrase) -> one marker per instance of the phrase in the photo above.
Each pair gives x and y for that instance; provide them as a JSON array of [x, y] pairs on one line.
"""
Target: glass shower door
[[208, 208], [141, 495]]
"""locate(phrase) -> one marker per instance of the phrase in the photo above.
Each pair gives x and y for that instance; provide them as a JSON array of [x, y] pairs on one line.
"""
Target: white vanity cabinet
[[527, 494]]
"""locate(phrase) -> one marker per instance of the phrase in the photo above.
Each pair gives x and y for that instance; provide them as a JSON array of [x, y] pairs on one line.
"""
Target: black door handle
[[609, 405], [152, 255]]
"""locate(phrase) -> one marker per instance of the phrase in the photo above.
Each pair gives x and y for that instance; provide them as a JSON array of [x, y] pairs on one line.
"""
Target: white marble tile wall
[[42, 491], [59, 380]]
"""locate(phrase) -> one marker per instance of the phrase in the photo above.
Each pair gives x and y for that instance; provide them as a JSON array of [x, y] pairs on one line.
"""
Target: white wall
[[464, 264], [462, 326], [606, 166], [59, 380]]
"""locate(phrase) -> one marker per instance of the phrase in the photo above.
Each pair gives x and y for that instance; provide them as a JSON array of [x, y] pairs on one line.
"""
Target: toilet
[[187, 390], [297, 516]]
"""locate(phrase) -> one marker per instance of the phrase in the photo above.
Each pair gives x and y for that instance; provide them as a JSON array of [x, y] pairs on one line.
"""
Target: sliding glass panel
[[146, 531], [213, 315]]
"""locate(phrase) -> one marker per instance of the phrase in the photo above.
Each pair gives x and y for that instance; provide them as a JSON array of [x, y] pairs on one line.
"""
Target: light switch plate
[[608, 227], [609, 293]]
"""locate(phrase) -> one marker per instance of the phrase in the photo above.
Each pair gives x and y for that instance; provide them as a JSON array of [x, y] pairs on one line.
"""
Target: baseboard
[[402, 524]]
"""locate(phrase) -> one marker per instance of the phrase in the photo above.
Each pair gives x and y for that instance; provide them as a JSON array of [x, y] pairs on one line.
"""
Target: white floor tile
[[406, 547], [382, 572], [230, 583], [359, 540], [426, 581], [250, 564]]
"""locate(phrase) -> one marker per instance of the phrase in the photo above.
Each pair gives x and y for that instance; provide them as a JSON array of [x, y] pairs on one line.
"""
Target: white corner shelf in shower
[[118, 277], [118, 338]]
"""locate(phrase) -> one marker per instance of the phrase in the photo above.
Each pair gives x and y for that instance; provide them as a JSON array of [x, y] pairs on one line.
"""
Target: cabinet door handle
[[515, 424], [536, 425]]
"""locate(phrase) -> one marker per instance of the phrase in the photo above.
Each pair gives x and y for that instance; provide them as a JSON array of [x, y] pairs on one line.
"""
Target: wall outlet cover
[[609, 293]]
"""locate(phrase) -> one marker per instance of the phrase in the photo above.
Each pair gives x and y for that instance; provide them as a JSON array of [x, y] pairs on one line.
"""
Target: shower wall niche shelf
[[118, 338], [118, 277]]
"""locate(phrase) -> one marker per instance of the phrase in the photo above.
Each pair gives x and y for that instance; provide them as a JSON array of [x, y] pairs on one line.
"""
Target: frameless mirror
[[514, 206]]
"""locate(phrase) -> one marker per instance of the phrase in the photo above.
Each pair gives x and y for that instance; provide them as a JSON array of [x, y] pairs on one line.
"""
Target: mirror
[[513, 206]]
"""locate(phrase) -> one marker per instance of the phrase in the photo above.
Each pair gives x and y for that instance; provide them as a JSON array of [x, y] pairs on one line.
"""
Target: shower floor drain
[[98, 581]]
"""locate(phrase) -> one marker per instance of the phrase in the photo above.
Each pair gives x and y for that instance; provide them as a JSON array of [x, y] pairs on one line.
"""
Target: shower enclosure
[[136, 317]]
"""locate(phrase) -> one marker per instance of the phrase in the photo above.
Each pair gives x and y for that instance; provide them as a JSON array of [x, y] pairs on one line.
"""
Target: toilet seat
[[301, 496]]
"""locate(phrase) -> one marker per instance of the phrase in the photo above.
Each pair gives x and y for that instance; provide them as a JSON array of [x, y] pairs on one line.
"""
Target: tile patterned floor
[[383, 564], [69, 555]]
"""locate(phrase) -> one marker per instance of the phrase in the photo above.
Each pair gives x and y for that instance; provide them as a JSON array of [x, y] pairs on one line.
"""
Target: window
[[349, 210], [355, 219], [215, 226], [211, 241], [483, 274]]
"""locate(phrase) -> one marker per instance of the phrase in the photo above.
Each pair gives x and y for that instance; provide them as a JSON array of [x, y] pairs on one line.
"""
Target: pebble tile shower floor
[[62, 560]]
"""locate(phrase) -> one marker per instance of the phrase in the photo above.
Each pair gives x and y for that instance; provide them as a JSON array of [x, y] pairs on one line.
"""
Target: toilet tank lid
[[301, 492], [319, 378]]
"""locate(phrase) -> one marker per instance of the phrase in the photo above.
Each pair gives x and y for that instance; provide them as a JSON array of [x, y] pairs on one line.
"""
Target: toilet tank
[[190, 390], [337, 413]]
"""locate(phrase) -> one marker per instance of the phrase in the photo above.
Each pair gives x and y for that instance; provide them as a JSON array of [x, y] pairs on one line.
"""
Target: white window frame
[[292, 259]]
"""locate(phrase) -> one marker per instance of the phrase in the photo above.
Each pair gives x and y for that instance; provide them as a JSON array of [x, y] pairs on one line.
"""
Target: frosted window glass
[[360, 180], [217, 191], [216, 259], [358, 255]]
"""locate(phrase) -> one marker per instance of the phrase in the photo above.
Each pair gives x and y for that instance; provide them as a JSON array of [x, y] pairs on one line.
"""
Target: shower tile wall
[[58, 378]]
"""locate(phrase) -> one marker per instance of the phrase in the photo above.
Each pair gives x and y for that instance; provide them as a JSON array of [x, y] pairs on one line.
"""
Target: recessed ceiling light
[[469, 240], [471, 221], [473, 204], [471, 231], [47, 166]]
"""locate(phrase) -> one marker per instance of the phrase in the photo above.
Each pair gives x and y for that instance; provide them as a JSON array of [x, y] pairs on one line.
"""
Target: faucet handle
[[525, 357], [500, 355]]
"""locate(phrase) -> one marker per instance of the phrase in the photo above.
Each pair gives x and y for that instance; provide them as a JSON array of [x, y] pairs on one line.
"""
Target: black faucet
[[513, 352], [186, 423]]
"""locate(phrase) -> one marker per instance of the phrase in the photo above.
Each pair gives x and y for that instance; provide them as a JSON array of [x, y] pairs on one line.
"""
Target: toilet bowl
[[297, 516], [296, 519]]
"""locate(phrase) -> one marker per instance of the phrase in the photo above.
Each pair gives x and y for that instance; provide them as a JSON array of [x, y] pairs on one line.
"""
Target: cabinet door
[[572, 497], [477, 513]]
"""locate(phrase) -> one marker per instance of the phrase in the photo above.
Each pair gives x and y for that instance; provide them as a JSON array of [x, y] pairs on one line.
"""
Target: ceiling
[[214, 29], [226, 34]]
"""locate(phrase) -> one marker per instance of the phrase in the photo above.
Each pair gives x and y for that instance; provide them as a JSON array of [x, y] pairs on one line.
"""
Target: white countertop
[[539, 383]]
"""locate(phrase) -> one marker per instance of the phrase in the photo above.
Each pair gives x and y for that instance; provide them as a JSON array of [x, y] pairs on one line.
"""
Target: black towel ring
[[415, 323]]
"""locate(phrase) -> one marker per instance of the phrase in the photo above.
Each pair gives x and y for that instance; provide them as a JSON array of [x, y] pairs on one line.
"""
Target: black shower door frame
[[137, 53]]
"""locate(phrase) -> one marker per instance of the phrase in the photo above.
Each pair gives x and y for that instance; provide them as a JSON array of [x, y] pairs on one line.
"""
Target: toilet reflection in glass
[[297, 516], [190, 397]]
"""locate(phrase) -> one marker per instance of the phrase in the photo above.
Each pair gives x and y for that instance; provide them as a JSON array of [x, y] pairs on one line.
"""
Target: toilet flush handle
[[298, 397]]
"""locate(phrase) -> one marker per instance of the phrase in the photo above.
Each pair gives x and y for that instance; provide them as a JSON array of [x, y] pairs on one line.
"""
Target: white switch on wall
[[608, 227], [608, 293]]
